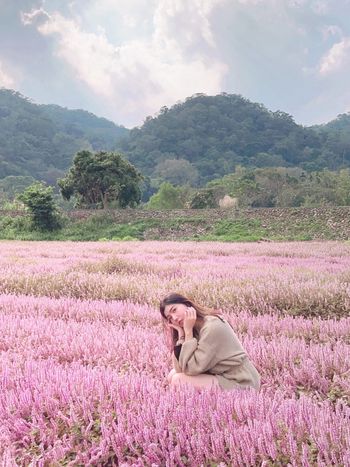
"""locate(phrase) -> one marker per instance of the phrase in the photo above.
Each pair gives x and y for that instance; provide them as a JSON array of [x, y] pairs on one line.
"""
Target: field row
[[265, 280], [131, 340], [120, 313], [91, 416]]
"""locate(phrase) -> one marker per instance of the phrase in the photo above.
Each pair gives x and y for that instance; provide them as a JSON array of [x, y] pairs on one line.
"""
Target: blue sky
[[124, 59]]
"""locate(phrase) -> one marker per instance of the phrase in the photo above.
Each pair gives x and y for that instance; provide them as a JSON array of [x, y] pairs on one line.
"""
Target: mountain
[[195, 141], [41, 140], [336, 137], [207, 136]]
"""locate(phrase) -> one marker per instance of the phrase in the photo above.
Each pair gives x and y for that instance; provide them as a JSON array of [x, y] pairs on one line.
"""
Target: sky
[[125, 59]]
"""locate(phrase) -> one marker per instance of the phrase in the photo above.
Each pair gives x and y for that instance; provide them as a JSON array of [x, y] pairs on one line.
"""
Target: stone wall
[[334, 219]]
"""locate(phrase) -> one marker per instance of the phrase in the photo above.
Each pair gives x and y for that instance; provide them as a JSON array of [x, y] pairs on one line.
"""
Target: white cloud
[[336, 58], [183, 23], [129, 21], [121, 14], [6, 80], [90, 55], [28, 18], [140, 76]]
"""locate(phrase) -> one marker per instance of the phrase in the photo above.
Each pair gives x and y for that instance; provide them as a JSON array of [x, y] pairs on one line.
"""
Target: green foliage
[[148, 188], [99, 227], [97, 179], [201, 139], [167, 197], [177, 172], [11, 227], [247, 230], [343, 188], [264, 159], [40, 140], [10, 205], [291, 224], [192, 143], [285, 187], [264, 187], [13, 185], [10, 188], [336, 140], [203, 199], [38, 199], [95, 228], [215, 134]]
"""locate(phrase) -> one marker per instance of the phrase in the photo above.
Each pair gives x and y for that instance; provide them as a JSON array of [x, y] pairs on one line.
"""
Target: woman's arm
[[177, 348], [176, 362], [215, 343]]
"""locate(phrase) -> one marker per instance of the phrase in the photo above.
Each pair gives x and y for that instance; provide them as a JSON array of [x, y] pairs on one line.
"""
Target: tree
[[177, 171], [13, 185], [167, 197], [39, 200], [148, 189], [343, 187], [203, 199], [99, 178], [263, 159]]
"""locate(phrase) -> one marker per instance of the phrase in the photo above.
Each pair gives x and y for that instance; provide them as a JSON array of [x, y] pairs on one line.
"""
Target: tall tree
[[100, 178]]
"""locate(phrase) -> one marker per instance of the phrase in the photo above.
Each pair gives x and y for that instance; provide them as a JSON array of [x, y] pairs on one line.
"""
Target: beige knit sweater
[[217, 351]]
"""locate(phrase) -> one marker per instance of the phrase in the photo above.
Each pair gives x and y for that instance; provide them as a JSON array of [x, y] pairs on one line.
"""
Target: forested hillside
[[193, 142], [41, 140], [336, 139], [205, 137]]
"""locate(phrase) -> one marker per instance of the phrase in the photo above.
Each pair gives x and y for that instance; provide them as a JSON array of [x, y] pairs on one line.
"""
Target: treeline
[[286, 187], [267, 187], [206, 137]]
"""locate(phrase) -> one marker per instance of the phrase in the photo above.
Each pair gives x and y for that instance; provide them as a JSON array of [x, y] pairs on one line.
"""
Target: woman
[[205, 350]]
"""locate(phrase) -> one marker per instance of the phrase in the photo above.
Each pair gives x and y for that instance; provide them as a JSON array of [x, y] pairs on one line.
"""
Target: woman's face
[[175, 313]]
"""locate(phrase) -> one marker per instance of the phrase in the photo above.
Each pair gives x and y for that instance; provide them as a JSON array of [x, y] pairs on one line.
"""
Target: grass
[[247, 230], [103, 227], [96, 227], [303, 229]]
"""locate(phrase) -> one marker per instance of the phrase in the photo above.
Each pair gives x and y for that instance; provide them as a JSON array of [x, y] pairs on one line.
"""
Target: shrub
[[38, 199], [203, 199]]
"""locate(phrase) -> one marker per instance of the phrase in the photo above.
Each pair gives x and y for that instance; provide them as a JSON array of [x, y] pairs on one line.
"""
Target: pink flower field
[[83, 358]]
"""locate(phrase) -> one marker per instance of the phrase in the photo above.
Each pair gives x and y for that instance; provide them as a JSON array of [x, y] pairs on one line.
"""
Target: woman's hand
[[189, 321], [179, 329]]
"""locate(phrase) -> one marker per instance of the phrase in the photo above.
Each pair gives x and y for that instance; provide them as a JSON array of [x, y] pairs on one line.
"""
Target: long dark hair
[[202, 312]]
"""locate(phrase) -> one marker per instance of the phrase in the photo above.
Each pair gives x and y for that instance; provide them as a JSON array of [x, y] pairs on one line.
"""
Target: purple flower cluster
[[82, 369]]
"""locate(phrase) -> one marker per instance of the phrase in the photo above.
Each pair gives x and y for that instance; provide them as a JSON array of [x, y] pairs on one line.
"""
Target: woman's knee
[[199, 381], [176, 378], [170, 375]]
